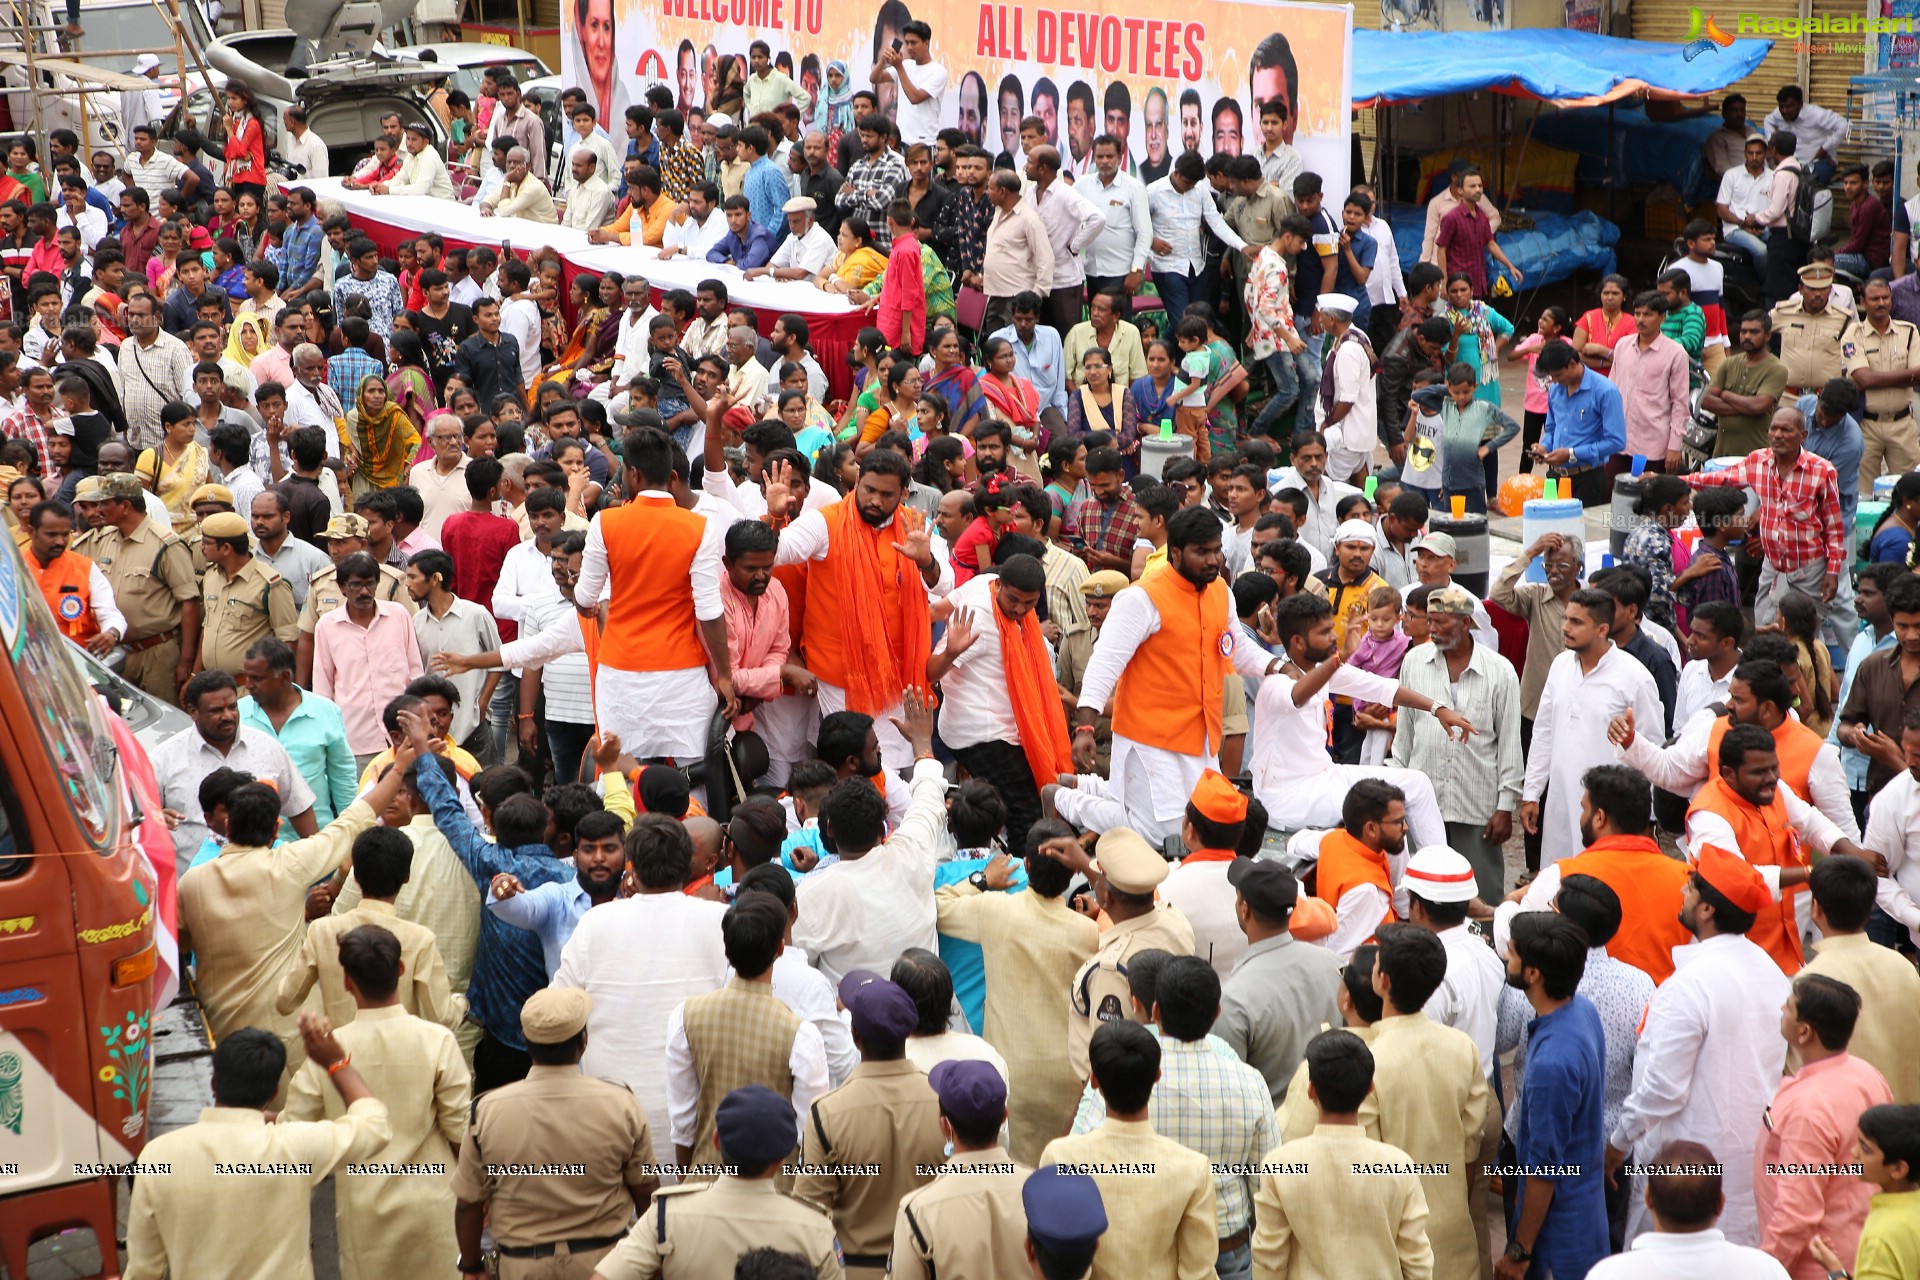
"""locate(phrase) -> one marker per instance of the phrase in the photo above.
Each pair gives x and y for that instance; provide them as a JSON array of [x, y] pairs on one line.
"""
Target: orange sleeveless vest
[[1648, 884], [65, 584], [651, 545], [1346, 864], [1765, 840], [826, 593], [1793, 742], [1169, 695]]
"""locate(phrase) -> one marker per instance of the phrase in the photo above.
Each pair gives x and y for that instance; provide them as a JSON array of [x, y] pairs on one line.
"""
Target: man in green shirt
[[1686, 323], [1744, 392]]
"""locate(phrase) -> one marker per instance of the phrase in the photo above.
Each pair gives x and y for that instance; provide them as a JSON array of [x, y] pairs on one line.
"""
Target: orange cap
[[1219, 800], [1734, 877], [1312, 919]]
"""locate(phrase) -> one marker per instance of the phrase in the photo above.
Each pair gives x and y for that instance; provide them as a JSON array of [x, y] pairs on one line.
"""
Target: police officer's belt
[[546, 1250], [866, 1260], [1889, 417], [154, 641]]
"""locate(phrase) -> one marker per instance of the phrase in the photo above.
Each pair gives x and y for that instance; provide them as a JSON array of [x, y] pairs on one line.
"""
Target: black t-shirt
[[90, 431], [441, 338]]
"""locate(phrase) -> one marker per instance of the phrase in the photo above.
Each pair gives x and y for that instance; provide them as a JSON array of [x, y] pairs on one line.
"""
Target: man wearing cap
[[1440, 884], [422, 172], [806, 249], [1197, 888], [1716, 1022], [1065, 1220], [1435, 557], [696, 1231], [151, 574], [1096, 591], [557, 1164], [1816, 337], [1281, 990], [876, 1137], [1343, 408], [1477, 780], [245, 598], [1883, 360], [1159, 1195], [969, 1221], [73, 586]]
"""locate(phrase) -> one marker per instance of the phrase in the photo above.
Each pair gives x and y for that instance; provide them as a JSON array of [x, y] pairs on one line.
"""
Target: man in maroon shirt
[[479, 541], [141, 234], [1870, 229], [1466, 238]]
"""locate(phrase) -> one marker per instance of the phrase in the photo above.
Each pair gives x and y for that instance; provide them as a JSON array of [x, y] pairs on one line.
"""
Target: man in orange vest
[[1161, 660], [871, 565], [1745, 810], [1758, 693], [78, 593], [656, 568], [1353, 874], [1616, 826]]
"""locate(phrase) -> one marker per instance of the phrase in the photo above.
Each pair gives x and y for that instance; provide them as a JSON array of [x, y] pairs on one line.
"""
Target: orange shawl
[[878, 669], [1037, 711]]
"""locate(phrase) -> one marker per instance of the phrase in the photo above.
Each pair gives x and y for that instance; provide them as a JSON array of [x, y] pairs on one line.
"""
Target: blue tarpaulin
[[1555, 247], [1571, 68]]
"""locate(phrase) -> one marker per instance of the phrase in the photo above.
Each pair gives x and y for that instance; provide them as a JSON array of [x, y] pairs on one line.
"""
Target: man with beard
[[1715, 1021], [550, 911], [960, 230]]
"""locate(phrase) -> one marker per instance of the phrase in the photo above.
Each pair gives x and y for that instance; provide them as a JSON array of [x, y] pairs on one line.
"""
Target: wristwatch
[[978, 880], [1519, 1252]]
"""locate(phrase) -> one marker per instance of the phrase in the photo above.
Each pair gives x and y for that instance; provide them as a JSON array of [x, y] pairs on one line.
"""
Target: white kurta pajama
[[1570, 737]]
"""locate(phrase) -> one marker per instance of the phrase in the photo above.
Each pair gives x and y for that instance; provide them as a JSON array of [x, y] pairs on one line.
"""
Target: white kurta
[[1570, 737], [1469, 996], [1708, 1062]]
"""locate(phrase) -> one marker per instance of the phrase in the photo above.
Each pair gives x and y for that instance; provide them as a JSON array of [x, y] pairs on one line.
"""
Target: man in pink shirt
[[1802, 1186], [756, 613], [275, 364], [1651, 371], [364, 656]]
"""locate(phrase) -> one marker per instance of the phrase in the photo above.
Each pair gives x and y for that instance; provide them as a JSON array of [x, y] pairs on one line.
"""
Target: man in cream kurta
[[388, 1221], [424, 990], [1383, 1220]]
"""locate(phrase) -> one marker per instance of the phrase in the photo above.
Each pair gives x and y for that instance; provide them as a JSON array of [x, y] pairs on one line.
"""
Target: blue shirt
[[964, 960], [753, 251], [549, 913], [315, 738], [300, 252], [766, 190], [509, 965], [1562, 1124], [1854, 763], [1842, 445], [1364, 251], [1591, 421], [1044, 364], [807, 837], [346, 371]]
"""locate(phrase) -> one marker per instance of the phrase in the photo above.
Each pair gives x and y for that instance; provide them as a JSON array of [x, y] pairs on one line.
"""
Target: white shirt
[[693, 238], [633, 1004], [630, 358], [1360, 909], [1385, 283], [1664, 638], [1684, 768], [1200, 892], [974, 707], [1357, 432], [1287, 748], [308, 151], [928, 1052], [92, 224], [806, 991], [1176, 217], [1660, 1255], [806, 1060], [704, 573], [155, 175], [1817, 129], [1072, 224], [1570, 737], [810, 252], [520, 317], [807, 537], [1127, 241], [589, 204], [862, 913], [526, 575], [309, 408], [1893, 831], [1705, 827], [920, 121], [1469, 996], [183, 761], [1318, 528], [1708, 1062], [1745, 193], [1698, 691], [422, 173]]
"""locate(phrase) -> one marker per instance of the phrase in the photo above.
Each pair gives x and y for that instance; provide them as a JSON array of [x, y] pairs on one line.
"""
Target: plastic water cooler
[[1472, 568]]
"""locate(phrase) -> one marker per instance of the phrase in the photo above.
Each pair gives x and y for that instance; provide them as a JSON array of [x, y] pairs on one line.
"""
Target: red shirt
[[1465, 234], [479, 541], [966, 549]]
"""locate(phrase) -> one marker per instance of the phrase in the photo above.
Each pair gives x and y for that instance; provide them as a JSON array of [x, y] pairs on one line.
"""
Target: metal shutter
[[1828, 74], [1666, 21]]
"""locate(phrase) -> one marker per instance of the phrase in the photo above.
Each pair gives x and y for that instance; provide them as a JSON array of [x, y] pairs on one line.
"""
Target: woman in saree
[[177, 467], [1095, 406], [857, 263], [596, 300], [383, 439], [900, 408], [1010, 395], [955, 381], [409, 385]]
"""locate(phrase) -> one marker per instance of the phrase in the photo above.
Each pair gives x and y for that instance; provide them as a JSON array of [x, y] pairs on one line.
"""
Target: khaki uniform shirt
[[1896, 349], [1328, 1221], [565, 1121], [1158, 1197], [324, 594], [697, 1232], [861, 1145], [1430, 1099], [246, 913], [1099, 990], [394, 1206], [1031, 947], [1256, 218], [1887, 1034], [969, 1222], [253, 604], [193, 1221], [151, 574], [1810, 344], [423, 992]]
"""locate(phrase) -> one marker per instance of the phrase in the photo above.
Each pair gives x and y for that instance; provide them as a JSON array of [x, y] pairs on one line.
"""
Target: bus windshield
[[67, 714]]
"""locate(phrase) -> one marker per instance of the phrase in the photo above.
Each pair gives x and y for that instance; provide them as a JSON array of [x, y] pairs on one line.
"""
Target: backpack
[[1800, 216]]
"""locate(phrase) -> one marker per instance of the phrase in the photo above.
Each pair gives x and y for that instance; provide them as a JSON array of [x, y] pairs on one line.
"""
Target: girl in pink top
[[1552, 328], [903, 294]]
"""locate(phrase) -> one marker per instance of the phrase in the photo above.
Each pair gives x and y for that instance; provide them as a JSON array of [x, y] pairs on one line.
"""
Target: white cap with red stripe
[[1439, 874]]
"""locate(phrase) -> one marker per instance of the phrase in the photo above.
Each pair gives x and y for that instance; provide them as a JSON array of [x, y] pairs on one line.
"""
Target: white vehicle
[[466, 61]]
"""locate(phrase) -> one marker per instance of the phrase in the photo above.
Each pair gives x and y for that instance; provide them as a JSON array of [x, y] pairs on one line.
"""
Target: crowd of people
[[647, 815]]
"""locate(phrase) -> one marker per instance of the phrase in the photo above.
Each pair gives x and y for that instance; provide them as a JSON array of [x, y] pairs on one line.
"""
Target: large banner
[[1159, 83]]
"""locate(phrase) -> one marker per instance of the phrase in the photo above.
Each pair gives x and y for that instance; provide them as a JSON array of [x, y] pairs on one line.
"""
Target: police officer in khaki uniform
[[153, 583], [1124, 872], [87, 497], [207, 500], [1065, 1220], [1883, 360], [699, 1230], [556, 1164], [1076, 650], [876, 1137], [969, 1222], [344, 535], [1811, 331], [246, 599]]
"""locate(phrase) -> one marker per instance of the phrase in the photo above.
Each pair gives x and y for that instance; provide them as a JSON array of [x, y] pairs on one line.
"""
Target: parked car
[[151, 720], [468, 60]]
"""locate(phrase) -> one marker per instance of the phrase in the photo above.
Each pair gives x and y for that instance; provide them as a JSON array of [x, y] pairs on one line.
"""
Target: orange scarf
[[1037, 711], [878, 672]]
